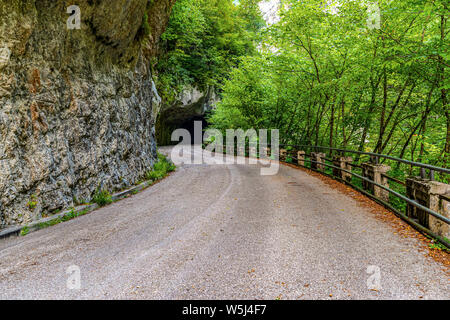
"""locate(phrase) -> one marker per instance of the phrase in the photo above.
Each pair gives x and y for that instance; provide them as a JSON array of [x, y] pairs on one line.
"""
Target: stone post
[[283, 154], [375, 173], [301, 158], [428, 193], [230, 150], [319, 158], [219, 148], [266, 155], [292, 154], [343, 163]]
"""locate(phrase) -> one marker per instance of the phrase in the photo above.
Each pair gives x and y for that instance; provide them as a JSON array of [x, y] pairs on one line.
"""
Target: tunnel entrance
[[164, 129], [190, 105], [189, 126]]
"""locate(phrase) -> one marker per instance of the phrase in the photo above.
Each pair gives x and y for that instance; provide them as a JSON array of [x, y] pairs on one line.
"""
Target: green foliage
[[102, 198], [327, 79], [145, 26], [144, 30], [24, 231], [160, 169], [50, 223], [203, 41], [72, 214], [32, 203], [154, 175], [437, 245]]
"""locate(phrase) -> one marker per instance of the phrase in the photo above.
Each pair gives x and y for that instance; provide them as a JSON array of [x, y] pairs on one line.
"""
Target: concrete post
[[283, 154], [375, 173], [301, 158], [230, 150], [219, 149], [428, 193], [267, 153], [343, 163], [319, 158], [292, 153]]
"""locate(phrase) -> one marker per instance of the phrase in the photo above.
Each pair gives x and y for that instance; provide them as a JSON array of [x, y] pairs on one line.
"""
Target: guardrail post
[[283, 154], [429, 194], [265, 155], [318, 157], [230, 150], [376, 172], [241, 151], [301, 158], [252, 153], [343, 163]]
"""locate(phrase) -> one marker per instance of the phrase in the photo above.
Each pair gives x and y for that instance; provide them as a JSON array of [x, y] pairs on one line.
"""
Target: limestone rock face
[[157, 21], [77, 107], [191, 103]]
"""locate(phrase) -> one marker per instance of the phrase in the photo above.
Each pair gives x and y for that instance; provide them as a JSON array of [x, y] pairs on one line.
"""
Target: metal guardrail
[[403, 183], [399, 195], [376, 157]]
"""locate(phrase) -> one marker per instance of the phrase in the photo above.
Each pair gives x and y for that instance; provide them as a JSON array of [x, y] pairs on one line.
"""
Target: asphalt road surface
[[223, 232]]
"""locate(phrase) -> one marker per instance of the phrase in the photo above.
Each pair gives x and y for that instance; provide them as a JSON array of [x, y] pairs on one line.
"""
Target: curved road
[[223, 232]]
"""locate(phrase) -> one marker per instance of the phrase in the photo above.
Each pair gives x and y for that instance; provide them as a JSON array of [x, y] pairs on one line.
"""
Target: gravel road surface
[[223, 232]]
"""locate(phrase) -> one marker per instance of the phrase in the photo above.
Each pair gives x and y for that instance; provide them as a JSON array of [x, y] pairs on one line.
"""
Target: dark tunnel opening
[[189, 125], [165, 129], [190, 106]]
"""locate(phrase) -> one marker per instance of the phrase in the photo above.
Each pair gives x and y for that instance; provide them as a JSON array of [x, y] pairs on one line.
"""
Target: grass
[[437, 245], [160, 169], [145, 25], [72, 214], [102, 198], [32, 203], [24, 231]]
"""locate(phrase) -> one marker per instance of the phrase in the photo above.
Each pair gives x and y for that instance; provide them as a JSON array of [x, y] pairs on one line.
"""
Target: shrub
[[155, 175], [145, 26], [160, 168], [102, 198], [25, 230], [32, 203]]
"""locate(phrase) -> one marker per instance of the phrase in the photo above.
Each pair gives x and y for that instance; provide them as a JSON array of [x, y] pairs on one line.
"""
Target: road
[[223, 232]]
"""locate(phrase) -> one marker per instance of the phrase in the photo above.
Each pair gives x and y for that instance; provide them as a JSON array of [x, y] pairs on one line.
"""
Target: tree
[[205, 39], [324, 77]]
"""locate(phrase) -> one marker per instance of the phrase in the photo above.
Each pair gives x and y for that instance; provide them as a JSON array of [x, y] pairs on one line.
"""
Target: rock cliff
[[191, 104], [77, 106]]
